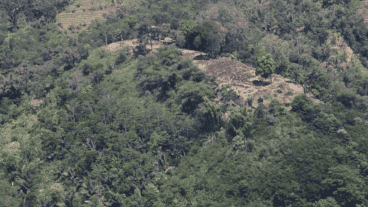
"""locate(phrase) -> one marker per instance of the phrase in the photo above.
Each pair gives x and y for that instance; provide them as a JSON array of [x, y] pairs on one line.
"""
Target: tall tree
[[209, 38], [231, 23], [13, 8], [144, 32], [265, 66], [346, 185]]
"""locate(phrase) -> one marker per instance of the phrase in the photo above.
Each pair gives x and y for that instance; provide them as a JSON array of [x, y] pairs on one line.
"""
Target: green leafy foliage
[[208, 39], [276, 108], [345, 185], [265, 66], [232, 24], [187, 26], [300, 102], [81, 127], [346, 97], [209, 115]]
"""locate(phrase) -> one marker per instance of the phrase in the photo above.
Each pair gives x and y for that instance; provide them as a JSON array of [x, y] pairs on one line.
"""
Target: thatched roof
[[168, 40]]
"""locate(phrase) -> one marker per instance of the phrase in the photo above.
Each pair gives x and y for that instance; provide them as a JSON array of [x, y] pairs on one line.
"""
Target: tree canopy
[[265, 65], [80, 126]]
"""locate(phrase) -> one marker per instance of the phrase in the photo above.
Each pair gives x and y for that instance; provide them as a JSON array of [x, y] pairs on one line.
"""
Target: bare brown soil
[[78, 18], [340, 46], [238, 75], [364, 10]]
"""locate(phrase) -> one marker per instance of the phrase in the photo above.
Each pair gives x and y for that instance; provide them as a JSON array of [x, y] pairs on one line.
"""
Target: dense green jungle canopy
[[144, 130]]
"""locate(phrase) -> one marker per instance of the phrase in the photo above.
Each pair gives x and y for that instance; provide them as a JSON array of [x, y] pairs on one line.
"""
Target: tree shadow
[[202, 57], [261, 83], [140, 50]]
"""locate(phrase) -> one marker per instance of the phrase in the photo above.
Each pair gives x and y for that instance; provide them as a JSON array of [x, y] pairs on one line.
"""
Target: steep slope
[[79, 18], [238, 75], [364, 10]]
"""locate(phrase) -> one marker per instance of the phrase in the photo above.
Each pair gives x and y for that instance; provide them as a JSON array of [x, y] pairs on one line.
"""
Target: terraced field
[[80, 14], [239, 76], [364, 10]]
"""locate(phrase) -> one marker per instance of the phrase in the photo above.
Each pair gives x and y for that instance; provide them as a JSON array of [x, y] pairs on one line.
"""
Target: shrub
[[123, 53], [327, 123], [260, 100], [300, 102], [180, 41], [237, 120], [140, 50], [357, 120], [86, 69], [71, 27], [110, 68], [271, 120], [96, 78], [346, 97], [187, 26], [343, 135], [260, 111], [250, 100], [101, 53], [274, 107]]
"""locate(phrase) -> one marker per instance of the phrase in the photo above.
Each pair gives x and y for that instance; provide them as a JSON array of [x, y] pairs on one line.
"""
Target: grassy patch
[[268, 97], [90, 5]]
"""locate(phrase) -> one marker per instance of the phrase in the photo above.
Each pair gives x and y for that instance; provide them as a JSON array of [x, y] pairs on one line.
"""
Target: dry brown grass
[[340, 47], [80, 17], [238, 75], [364, 10], [241, 77]]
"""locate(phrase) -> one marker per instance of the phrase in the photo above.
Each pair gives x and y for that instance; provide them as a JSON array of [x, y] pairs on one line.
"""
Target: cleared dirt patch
[[78, 17], [341, 46], [114, 47], [243, 80], [364, 10], [238, 75]]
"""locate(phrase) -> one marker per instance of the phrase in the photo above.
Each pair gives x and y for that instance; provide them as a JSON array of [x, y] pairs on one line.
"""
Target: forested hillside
[[80, 126]]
